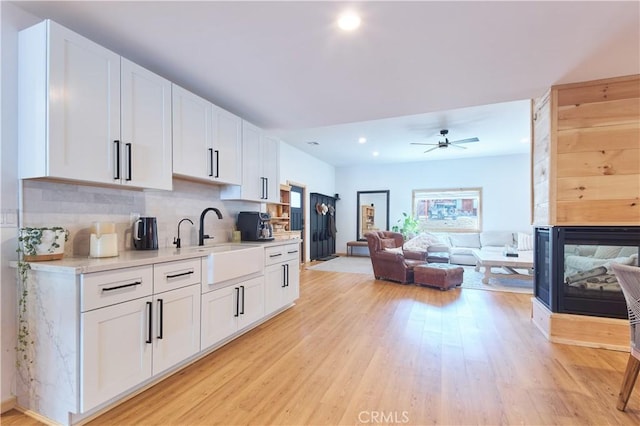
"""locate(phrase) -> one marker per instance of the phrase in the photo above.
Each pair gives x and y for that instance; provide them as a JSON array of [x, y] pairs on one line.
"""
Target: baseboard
[[581, 330], [8, 404]]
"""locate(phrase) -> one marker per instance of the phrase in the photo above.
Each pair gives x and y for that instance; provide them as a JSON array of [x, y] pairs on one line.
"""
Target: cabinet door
[[192, 135], [269, 157], [252, 302], [116, 350], [292, 288], [252, 182], [146, 128], [274, 286], [84, 108], [177, 327], [282, 285], [219, 315], [227, 147]]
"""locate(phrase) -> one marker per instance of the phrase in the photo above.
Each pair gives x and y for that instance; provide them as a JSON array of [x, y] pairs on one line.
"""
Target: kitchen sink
[[228, 261]]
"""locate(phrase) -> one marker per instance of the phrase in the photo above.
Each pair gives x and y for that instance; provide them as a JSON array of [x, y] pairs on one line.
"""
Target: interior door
[[297, 214]]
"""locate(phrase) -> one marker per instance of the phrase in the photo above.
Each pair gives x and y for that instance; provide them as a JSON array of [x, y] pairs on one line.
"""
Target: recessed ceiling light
[[313, 143], [348, 21], [376, 153], [362, 140]]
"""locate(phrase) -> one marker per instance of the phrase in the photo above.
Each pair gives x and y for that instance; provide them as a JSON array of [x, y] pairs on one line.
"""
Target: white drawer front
[[171, 275], [273, 255], [279, 254], [101, 289], [292, 251]]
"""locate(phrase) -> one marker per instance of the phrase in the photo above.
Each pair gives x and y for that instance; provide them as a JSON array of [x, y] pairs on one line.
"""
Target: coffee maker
[[255, 226]]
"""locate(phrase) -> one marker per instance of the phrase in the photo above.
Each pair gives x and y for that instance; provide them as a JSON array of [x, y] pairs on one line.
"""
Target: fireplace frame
[[549, 268]]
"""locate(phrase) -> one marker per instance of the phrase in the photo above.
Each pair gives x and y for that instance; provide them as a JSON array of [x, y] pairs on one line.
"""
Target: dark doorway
[[297, 214]]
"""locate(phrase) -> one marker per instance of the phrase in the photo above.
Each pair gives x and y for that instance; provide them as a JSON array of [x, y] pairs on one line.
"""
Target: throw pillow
[[387, 243], [422, 242], [397, 250], [525, 241]]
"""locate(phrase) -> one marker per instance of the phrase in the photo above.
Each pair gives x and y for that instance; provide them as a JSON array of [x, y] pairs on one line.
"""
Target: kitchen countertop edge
[[134, 258]]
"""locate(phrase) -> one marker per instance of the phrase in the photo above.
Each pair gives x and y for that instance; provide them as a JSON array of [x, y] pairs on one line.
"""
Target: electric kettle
[[145, 234]]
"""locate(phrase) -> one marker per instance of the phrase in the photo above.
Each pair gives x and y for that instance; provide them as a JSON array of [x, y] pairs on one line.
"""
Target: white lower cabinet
[[282, 276], [124, 343], [177, 327], [116, 350], [106, 334], [228, 310]]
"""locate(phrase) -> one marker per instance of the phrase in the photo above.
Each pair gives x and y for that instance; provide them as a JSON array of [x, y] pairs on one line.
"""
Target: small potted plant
[[42, 243], [409, 226]]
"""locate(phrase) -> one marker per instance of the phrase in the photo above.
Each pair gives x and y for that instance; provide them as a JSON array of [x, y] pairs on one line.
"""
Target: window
[[448, 209]]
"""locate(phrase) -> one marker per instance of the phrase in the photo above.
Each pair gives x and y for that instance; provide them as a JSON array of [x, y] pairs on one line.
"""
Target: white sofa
[[460, 246]]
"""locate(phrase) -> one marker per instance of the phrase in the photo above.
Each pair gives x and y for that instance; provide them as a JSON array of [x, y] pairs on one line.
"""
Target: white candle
[[105, 245]]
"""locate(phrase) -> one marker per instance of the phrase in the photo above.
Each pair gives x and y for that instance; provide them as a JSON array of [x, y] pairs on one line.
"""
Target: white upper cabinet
[[227, 146], [206, 140], [145, 128], [260, 165], [82, 117]]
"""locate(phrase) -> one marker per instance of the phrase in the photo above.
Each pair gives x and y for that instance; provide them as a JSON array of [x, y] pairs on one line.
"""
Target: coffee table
[[495, 259]]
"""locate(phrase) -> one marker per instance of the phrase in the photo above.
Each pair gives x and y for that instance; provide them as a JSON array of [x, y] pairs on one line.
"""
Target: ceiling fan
[[446, 143]]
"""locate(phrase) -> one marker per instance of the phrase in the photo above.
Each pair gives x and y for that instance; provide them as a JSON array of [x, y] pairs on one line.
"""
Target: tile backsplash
[[76, 207]]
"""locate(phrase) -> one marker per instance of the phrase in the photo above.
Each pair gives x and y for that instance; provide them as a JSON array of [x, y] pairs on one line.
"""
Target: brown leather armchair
[[389, 264]]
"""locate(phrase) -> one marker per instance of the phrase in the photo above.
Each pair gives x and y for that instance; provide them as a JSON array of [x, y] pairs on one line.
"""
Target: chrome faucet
[[176, 241], [201, 235]]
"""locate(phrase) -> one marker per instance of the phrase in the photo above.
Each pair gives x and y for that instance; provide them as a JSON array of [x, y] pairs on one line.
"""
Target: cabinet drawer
[[101, 289], [282, 253], [171, 275]]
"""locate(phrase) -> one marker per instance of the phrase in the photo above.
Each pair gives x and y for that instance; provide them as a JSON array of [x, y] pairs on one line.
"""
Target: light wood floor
[[359, 351]]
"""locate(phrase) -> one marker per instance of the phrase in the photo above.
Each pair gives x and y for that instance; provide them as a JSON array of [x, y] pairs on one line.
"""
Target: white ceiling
[[286, 67]]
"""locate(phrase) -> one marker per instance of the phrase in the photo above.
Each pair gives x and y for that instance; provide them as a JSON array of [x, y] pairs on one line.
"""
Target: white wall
[[506, 200], [12, 20], [301, 168]]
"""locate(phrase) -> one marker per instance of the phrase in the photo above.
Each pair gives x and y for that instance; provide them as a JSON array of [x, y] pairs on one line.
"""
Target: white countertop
[[128, 259]]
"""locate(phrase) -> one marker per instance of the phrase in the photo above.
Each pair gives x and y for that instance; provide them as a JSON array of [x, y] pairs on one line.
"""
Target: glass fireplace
[[572, 268]]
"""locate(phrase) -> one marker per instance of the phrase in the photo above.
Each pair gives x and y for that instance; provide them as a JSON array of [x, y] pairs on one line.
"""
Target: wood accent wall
[[586, 153]]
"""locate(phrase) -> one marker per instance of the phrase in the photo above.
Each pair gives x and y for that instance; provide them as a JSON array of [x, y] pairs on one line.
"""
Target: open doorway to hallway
[[298, 214]]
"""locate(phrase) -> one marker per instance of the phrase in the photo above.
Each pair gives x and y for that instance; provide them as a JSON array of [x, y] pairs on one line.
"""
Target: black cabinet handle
[[118, 287], [237, 302], [242, 309], [211, 162], [181, 274], [161, 319], [291, 252], [116, 175], [149, 321], [217, 163], [266, 188], [128, 145], [284, 275], [275, 255]]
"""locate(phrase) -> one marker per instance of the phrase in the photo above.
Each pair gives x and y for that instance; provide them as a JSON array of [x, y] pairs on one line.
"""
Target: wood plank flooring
[[359, 351]]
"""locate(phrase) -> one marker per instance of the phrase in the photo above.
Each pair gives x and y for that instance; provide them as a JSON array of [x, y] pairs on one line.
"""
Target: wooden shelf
[[281, 212]]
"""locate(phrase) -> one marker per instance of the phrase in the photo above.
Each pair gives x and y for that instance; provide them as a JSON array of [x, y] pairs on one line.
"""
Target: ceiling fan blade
[[430, 149], [458, 146], [419, 143], [466, 140]]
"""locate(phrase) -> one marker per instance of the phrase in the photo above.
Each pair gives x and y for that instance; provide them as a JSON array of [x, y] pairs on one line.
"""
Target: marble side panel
[[48, 381]]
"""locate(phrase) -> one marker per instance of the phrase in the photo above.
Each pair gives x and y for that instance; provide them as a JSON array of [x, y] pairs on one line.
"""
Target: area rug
[[472, 279]]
